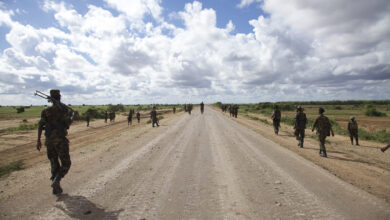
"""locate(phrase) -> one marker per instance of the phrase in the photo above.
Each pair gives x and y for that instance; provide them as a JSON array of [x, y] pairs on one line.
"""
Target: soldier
[[138, 115], [201, 107], [105, 117], [174, 110], [235, 111], [130, 117], [87, 118], [383, 149], [189, 108], [353, 130], [300, 122], [56, 121], [230, 110], [276, 119], [324, 128], [185, 107], [153, 116]]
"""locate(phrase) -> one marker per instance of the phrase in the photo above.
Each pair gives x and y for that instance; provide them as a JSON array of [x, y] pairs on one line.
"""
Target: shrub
[[19, 110], [116, 108], [93, 113], [371, 111]]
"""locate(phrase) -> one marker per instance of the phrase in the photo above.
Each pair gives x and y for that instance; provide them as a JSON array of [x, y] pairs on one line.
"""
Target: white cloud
[[303, 50]]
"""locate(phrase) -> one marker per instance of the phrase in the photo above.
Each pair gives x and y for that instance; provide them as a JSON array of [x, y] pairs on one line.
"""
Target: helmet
[[321, 110]]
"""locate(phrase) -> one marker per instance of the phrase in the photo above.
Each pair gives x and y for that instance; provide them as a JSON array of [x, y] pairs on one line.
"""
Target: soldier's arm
[[41, 125]]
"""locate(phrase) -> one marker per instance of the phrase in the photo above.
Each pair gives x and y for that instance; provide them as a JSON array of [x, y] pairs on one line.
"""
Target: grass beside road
[[23, 127], [7, 169]]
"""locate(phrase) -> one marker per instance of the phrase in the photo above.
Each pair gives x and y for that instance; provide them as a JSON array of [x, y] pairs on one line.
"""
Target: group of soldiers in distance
[[233, 110], [322, 126], [56, 120]]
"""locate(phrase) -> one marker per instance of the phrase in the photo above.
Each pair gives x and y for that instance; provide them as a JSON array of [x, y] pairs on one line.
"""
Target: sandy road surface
[[191, 167]]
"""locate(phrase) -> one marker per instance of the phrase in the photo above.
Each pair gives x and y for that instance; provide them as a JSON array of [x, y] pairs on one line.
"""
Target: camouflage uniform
[[130, 117], [105, 117], [174, 110], [276, 119], [324, 128], [138, 116], [56, 122], [201, 107], [153, 116], [235, 111], [300, 122], [353, 130]]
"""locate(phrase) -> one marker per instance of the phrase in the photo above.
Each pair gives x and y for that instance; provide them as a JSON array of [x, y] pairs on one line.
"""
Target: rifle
[[57, 103]]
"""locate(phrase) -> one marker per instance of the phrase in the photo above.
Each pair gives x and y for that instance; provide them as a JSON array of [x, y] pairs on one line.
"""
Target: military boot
[[351, 140], [357, 141], [56, 185], [301, 144], [324, 154]]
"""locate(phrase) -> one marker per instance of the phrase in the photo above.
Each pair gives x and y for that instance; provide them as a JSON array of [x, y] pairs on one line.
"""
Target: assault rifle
[[57, 103]]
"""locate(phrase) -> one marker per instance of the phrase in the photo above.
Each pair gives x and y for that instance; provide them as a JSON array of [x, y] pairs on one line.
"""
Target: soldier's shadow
[[79, 207]]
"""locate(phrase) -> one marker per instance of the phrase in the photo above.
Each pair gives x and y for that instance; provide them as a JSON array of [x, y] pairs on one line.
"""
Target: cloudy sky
[[177, 51]]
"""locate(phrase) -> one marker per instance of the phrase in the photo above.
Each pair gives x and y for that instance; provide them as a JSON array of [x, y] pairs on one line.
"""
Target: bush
[[19, 110], [372, 112], [160, 117], [93, 113], [380, 136], [116, 108]]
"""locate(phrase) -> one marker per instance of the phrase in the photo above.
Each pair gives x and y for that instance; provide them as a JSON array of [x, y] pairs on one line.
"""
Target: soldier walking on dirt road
[[55, 120], [324, 128], [300, 122], [130, 117], [201, 107], [87, 118], [138, 115], [153, 116], [276, 115], [353, 130], [105, 117]]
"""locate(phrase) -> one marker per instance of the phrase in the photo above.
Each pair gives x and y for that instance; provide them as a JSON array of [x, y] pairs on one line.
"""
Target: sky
[[179, 51]]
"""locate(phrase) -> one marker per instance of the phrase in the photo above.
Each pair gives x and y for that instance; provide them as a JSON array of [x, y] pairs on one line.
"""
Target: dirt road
[[191, 167]]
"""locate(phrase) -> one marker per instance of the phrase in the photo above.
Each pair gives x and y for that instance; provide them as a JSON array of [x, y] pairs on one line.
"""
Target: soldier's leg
[[322, 145], [357, 139], [383, 149], [53, 158], [302, 137], [62, 149], [351, 137]]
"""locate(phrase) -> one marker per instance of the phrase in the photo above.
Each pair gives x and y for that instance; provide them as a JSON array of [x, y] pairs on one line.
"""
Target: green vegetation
[[160, 117], [371, 111], [20, 110], [7, 169], [22, 127]]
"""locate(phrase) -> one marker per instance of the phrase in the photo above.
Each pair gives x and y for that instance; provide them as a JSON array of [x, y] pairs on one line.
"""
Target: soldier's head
[[55, 94], [352, 118], [321, 110], [299, 108], [154, 107], [276, 106]]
